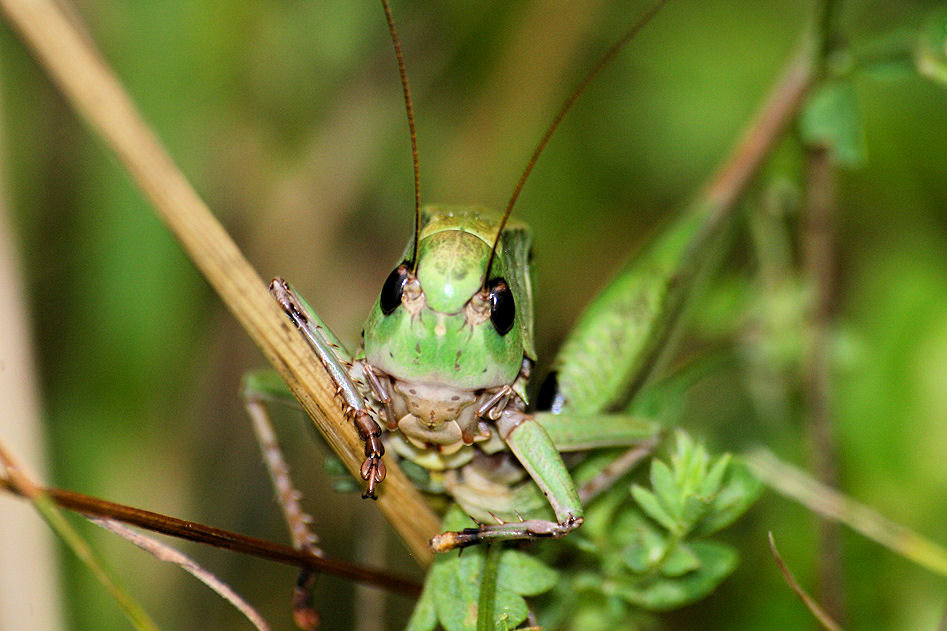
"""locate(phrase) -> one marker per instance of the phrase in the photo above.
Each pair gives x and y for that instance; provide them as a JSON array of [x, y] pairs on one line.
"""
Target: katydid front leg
[[337, 361], [537, 440], [539, 456]]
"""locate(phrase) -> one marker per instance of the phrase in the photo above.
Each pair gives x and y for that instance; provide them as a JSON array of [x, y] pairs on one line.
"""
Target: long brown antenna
[[409, 108], [566, 106]]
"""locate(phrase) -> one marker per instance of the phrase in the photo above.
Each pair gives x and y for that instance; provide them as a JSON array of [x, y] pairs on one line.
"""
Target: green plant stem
[[488, 587]]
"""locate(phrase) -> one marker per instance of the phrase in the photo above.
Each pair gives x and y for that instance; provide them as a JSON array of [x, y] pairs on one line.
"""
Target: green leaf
[[661, 593], [636, 557], [887, 57], [680, 561], [419, 476], [894, 68], [741, 488], [424, 616], [689, 462], [711, 482], [645, 551], [652, 507], [831, 118], [666, 489], [456, 577], [597, 612], [455, 583], [695, 508], [525, 574]]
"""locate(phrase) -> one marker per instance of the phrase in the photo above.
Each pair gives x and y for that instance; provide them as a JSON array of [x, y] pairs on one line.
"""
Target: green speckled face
[[441, 332], [450, 268]]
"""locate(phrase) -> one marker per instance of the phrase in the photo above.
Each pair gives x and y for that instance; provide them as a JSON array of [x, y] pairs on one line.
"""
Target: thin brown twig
[[762, 134], [819, 266], [824, 619], [165, 553], [199, 533], [615, 470], [818, 263]]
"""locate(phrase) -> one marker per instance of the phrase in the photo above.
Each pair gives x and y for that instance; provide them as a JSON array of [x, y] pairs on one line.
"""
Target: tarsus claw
[[373, 471]]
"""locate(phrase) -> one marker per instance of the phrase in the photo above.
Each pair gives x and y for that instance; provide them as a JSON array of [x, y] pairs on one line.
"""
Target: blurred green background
[[287, 117]]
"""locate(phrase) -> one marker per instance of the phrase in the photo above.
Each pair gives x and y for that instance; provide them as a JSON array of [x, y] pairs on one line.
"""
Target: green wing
[[618, 338], [516, 244]]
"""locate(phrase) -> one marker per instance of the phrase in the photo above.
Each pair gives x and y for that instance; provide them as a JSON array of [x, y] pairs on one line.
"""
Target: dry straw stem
[[798, 485], [95, 92]]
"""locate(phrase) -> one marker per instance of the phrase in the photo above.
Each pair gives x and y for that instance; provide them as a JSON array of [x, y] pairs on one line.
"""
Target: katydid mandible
[[448, 349]]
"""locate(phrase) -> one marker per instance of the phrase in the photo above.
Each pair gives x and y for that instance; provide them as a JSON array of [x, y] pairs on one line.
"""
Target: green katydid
[[570, 398], [442, 358], [443, 407], [448, 348]]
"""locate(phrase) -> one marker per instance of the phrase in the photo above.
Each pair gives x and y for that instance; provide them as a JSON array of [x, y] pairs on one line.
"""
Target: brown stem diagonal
[[95, 92], [219, 538]]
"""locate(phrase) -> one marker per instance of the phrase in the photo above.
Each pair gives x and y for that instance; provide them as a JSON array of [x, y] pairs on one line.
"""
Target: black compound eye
[[393, 288], [502, 307]]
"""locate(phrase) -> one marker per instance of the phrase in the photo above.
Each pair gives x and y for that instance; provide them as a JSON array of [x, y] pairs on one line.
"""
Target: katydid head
[[428, 324], [439, 324], [457, 311]]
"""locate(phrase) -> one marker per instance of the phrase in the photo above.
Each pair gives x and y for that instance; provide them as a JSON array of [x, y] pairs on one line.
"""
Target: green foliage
[[453, 584], [663, 564], [831, 119], [691, 497], [639, 551]]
